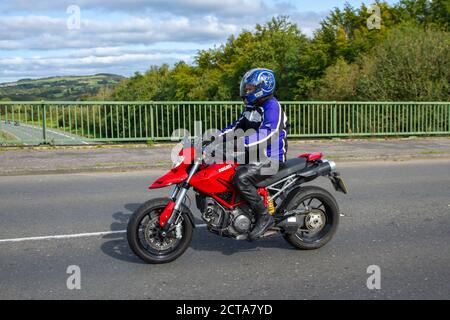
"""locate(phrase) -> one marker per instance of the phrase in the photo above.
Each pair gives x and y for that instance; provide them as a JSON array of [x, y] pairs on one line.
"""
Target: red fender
[[312, 156], [167, 212]]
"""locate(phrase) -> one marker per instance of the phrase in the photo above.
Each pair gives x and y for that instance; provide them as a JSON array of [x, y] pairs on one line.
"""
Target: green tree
[[427, 13], [276, 45], [343, 34], [305, 68], [153, 85], [339, 82], [411, 64]]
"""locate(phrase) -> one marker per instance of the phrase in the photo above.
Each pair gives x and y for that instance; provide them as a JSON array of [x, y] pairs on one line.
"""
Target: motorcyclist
[[267, 142]]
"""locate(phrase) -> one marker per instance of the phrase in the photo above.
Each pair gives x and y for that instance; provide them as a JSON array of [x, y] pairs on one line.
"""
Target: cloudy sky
[[45, 37]]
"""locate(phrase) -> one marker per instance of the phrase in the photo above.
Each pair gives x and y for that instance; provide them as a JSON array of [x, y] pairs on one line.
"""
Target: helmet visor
[[242, 89], [246, 89]]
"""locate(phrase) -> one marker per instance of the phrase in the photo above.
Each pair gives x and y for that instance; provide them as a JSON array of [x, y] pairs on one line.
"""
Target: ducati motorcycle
[[161, 229]]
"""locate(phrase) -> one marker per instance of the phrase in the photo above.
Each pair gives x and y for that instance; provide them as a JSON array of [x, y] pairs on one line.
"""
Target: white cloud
[[41, 32], [123, 36], [308, 21], [179, 7], [88, 61]]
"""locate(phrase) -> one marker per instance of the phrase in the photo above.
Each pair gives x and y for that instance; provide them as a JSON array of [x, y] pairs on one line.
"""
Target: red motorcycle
[[161, 229]]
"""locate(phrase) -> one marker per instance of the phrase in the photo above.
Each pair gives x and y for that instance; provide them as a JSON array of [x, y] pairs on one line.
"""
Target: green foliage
[[410, 65], [338, 83], [57, 88], [277, 46], [217, 72], [324, 67], [427, 13], [406, 58], [153, 85], [344, 34]]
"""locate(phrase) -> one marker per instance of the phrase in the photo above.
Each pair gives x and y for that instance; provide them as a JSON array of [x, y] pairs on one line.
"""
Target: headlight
[[178, 161]]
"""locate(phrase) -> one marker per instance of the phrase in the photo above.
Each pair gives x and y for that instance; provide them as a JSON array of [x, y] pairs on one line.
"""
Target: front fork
[[172, 210]]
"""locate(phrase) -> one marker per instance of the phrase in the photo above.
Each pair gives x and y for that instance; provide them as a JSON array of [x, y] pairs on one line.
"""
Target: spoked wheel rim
[[150, 239], [318, 222]]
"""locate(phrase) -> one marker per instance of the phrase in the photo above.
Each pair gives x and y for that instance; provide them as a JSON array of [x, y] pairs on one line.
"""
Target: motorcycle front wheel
[[145, 239]]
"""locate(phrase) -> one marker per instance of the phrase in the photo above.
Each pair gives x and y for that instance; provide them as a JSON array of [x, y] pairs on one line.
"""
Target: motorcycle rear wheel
[[143, 238], [324, 216]]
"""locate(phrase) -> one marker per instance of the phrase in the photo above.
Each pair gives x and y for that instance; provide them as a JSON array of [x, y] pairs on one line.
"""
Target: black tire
[[134, 224], [331, 211]]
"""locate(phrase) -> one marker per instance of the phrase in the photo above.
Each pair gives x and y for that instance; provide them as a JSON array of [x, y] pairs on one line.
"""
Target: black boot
[[264, 222]]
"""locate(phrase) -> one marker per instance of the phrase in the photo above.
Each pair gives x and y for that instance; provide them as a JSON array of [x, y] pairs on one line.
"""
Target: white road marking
[[64, 236], [71, 236], [65, 135], [57, 133]]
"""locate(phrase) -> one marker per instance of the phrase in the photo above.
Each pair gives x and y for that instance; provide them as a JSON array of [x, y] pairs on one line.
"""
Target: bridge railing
[[62, 122]]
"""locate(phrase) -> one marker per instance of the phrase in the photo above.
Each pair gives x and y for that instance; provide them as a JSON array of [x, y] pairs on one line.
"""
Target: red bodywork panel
[[174, 176], [216, 178], [312, 156], [212, 180], [177, 174]]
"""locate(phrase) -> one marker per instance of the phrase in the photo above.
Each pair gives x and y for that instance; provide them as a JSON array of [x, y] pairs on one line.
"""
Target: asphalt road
[[29, 134], [397, 216]]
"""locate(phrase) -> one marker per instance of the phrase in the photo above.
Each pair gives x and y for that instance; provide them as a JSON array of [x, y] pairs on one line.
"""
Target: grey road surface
[[397, 216], [29, 134]]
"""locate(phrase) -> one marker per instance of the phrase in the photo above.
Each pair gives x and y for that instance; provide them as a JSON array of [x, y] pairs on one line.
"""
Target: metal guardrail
[[62, 122]]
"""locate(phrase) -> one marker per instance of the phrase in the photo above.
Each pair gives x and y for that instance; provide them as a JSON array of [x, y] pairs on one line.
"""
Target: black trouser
[[245, 178]]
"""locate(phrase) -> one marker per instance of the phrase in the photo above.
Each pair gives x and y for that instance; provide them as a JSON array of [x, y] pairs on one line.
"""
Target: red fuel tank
[[216, 178]]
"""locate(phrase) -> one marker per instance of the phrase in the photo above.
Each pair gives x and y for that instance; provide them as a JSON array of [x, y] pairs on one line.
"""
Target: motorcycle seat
[[286, 168]]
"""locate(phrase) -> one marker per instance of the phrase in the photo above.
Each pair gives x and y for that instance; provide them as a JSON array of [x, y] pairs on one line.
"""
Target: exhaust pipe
[[332, 165], [321, 169], [324, 168]]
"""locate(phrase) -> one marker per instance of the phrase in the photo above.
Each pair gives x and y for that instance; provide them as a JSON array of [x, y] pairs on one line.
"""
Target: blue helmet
[[263, 81]]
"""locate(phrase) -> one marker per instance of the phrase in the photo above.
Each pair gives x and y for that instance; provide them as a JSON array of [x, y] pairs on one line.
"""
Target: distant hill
[[57, 88]]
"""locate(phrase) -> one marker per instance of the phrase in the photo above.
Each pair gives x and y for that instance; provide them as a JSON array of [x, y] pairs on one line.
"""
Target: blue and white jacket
[[269, 123]]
